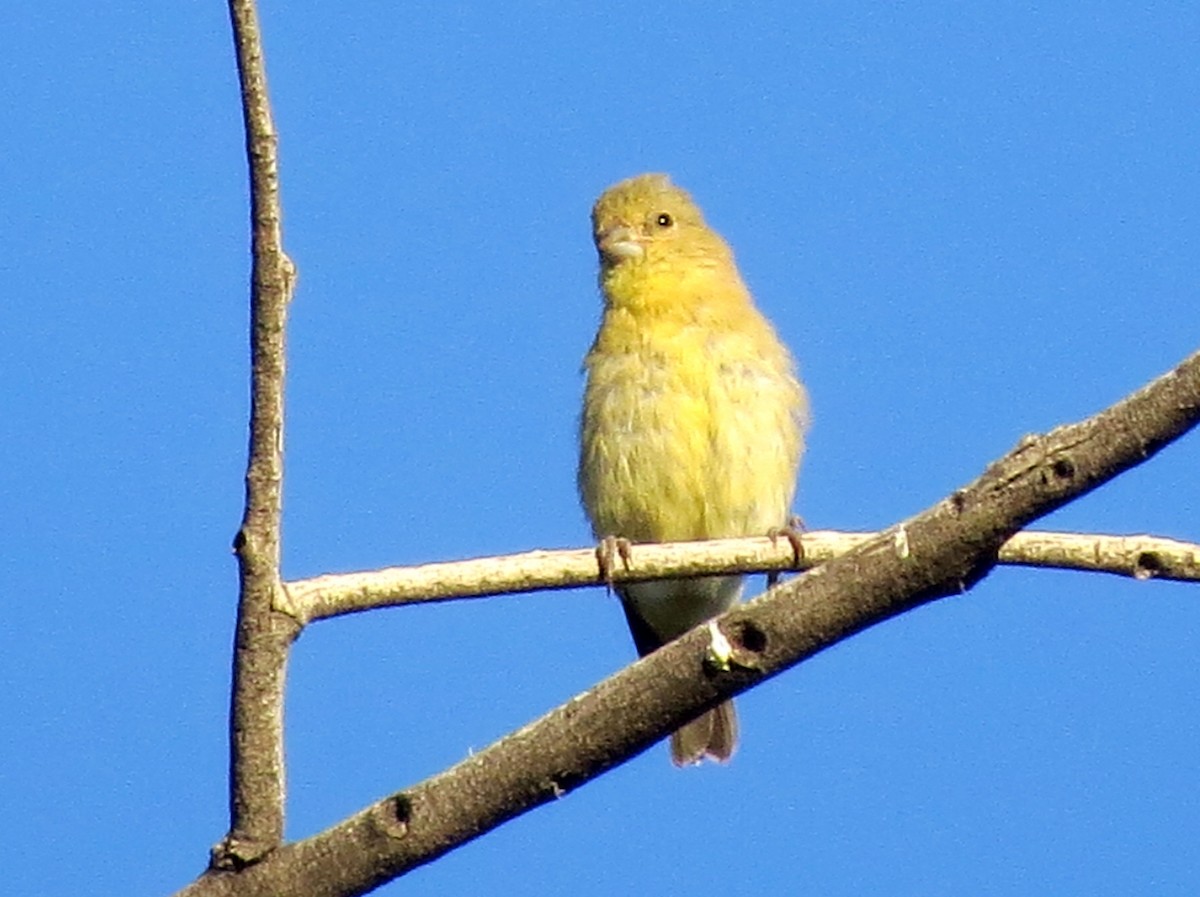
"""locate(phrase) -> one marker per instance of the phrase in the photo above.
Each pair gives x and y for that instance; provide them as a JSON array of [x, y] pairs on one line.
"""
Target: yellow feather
[[693, 417]]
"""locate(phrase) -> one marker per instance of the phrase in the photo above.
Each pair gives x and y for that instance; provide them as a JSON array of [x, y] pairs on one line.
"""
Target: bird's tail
[[712, 735]]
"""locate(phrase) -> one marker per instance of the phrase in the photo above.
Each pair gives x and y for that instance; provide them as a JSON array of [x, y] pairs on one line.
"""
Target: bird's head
[[646, 219]]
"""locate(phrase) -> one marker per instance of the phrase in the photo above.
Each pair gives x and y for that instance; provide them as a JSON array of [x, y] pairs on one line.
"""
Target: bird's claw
[[793, 532], [609, 549]]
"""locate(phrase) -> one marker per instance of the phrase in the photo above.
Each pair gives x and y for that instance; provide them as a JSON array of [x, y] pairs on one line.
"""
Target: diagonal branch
[[263, 635], [321, 597], [943, 551]]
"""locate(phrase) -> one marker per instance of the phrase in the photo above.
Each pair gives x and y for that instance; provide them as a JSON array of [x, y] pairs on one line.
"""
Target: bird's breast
[[688, 431]]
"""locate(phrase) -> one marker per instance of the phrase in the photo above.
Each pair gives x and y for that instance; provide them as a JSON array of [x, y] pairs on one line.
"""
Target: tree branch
[[263, 635], [943, 551], [1141, 557], [307, 600]]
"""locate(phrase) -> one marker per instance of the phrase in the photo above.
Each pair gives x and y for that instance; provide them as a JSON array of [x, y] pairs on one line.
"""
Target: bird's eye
[[664, 220]]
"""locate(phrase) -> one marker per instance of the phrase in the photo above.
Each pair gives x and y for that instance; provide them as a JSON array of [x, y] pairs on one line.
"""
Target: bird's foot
[[793, 531], [609, 549]]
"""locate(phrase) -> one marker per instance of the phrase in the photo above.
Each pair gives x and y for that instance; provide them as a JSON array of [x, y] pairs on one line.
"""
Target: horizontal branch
[[1140, 557]]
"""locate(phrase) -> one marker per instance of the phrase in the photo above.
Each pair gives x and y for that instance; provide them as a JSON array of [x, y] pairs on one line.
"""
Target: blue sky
[[969, 222]]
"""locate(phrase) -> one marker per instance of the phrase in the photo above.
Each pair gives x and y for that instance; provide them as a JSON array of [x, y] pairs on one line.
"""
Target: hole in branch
[[1063, 468], [1148, 564], [749, 637]]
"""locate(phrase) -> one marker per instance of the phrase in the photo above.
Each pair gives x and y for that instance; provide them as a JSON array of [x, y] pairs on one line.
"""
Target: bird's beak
[[619, 242]]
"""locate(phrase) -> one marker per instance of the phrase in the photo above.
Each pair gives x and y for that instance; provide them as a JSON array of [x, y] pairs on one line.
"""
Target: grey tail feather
[[714, 735]]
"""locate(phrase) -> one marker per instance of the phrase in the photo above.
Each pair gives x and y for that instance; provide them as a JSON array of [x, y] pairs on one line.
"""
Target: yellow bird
[[693, 417]]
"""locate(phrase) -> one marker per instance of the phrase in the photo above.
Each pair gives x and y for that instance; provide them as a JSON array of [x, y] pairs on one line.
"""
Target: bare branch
[[1140, 557], [943, 551], [263, 635]]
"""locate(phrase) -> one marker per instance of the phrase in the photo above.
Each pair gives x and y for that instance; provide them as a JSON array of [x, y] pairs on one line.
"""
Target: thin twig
[[263, 636], [1140, 557]]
